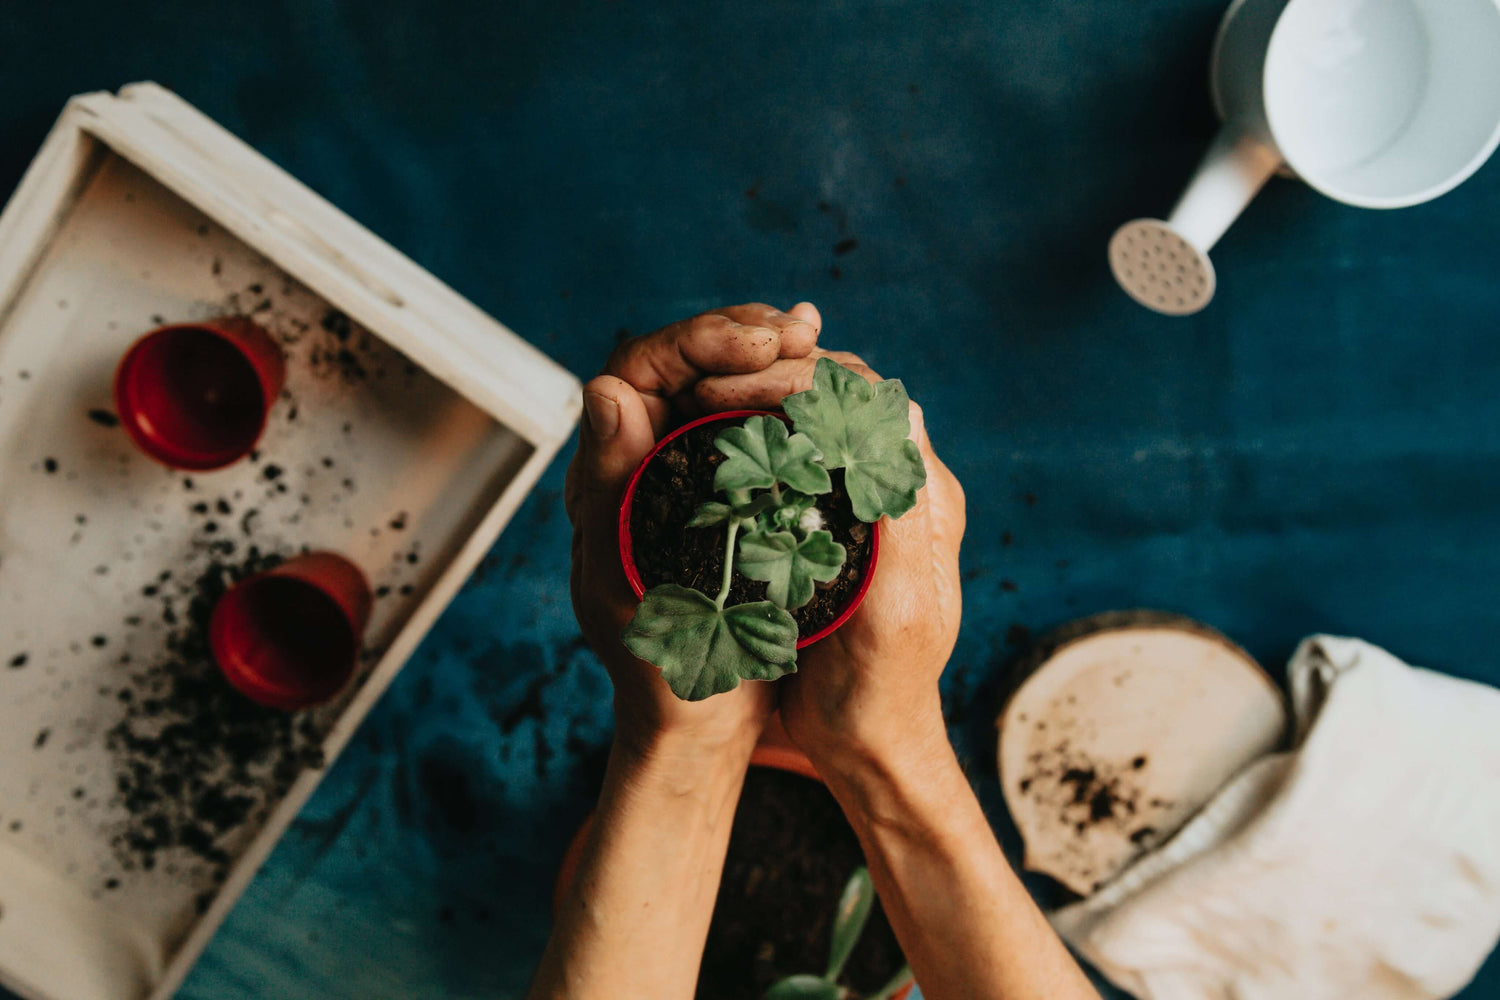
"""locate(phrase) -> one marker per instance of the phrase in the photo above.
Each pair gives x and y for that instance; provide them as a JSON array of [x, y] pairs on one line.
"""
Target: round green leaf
[[790, 567], [701, 650], [862, 429], [760, 453]]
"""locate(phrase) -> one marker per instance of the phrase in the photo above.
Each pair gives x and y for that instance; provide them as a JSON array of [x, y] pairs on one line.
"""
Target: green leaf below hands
[[849, 919], [761, 453], [702, 650], [709, 514], [788, 566], [862, 429], [804, 987]]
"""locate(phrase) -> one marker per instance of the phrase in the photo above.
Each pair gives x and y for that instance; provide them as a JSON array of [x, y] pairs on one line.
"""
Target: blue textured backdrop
[[1317, 451]]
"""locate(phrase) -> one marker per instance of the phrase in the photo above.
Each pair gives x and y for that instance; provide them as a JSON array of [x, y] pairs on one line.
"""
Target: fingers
[[798, 327], [942, 500], [794, 342], [918, 421], [735, 340], [944, 486], [764, 390]]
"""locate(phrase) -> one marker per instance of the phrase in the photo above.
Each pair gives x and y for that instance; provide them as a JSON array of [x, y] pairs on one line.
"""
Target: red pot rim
[[252, 685], [327, 577], [263, 358], [627, 544]]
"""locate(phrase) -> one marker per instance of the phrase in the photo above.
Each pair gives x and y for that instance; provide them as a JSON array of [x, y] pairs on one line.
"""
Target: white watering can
[[1375, 103]]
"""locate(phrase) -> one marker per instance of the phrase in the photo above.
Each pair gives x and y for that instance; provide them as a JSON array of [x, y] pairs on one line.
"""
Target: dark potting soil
[[194, 759], [678, 480], [790, 854]]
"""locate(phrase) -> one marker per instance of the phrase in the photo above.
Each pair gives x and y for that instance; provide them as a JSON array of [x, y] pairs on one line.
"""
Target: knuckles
[[711, 325], [720, 342]]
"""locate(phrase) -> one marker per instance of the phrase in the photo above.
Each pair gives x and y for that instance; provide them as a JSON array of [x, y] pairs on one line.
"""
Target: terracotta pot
[[627, 545], [775, 750], [289, 638], [195, 396]]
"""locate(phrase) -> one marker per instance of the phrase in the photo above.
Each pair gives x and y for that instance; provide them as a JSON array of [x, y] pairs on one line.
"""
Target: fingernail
[[799, 305], [918, 421], [603, 414]]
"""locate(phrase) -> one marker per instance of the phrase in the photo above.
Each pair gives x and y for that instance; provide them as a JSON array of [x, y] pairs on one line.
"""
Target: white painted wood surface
[[139, 207], [1125, 725]]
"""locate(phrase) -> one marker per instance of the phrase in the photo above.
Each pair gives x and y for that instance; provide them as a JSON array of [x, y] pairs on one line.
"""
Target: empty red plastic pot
[[289, 638], [195, 396], [627, 544]]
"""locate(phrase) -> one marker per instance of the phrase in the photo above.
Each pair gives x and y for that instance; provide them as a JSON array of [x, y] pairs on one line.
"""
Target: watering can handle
[[1233, 171]]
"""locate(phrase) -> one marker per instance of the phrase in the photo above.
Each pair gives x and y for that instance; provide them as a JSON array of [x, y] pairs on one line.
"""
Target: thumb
[[616, 434], [614, 438]]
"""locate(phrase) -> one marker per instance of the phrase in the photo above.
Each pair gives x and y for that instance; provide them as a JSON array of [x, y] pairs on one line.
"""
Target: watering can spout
[[1164, 265], [1236, 167]]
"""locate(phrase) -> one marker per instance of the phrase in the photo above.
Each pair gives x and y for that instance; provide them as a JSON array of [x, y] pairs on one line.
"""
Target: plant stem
[[899, 980], [734, 529], [776, 494]]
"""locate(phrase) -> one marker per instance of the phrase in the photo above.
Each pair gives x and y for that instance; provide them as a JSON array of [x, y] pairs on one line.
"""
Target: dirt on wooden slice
[[1119, 728]]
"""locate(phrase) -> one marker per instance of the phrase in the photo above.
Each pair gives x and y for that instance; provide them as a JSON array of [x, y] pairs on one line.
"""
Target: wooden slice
[[1123, 726]]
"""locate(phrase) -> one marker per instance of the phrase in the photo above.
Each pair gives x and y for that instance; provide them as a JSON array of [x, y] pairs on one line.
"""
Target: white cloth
[[1365, 863]]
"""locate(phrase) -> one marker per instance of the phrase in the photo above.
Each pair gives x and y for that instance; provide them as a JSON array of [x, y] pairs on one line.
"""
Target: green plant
[[770, 480], [848, 923]]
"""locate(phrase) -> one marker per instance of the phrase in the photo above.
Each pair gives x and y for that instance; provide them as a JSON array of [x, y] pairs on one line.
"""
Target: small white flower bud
[[810, 521]]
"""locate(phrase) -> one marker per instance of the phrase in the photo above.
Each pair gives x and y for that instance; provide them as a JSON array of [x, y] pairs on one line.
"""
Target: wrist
[[856, 739], [681, 758], [911, 755], [907, 792]]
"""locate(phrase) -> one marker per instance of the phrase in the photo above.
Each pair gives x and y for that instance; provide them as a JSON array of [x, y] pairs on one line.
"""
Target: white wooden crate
[[411, 428]]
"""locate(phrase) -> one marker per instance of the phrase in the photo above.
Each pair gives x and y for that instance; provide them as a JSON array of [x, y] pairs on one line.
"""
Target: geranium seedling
[[771, 479], [848, 924]]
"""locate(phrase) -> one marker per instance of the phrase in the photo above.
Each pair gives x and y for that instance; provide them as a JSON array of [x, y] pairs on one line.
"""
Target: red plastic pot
[[775, 750], [627, 544], [195, 396], [289, 638]]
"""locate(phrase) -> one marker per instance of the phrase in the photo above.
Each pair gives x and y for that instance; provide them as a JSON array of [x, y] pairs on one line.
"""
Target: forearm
[[636, 916], [966, 923]]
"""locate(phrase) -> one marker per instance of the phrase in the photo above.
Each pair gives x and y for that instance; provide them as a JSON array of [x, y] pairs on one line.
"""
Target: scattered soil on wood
[[196, 760]]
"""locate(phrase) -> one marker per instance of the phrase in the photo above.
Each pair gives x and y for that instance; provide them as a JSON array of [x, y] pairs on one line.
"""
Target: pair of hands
[[872, 679]]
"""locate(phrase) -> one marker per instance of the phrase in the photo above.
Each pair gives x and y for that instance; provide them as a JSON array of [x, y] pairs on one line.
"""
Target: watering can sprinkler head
[[1164, 265], [1160, 269]]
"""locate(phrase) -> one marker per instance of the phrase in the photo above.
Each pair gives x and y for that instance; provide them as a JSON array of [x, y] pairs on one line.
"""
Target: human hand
[[873, 684], [707, 363]]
